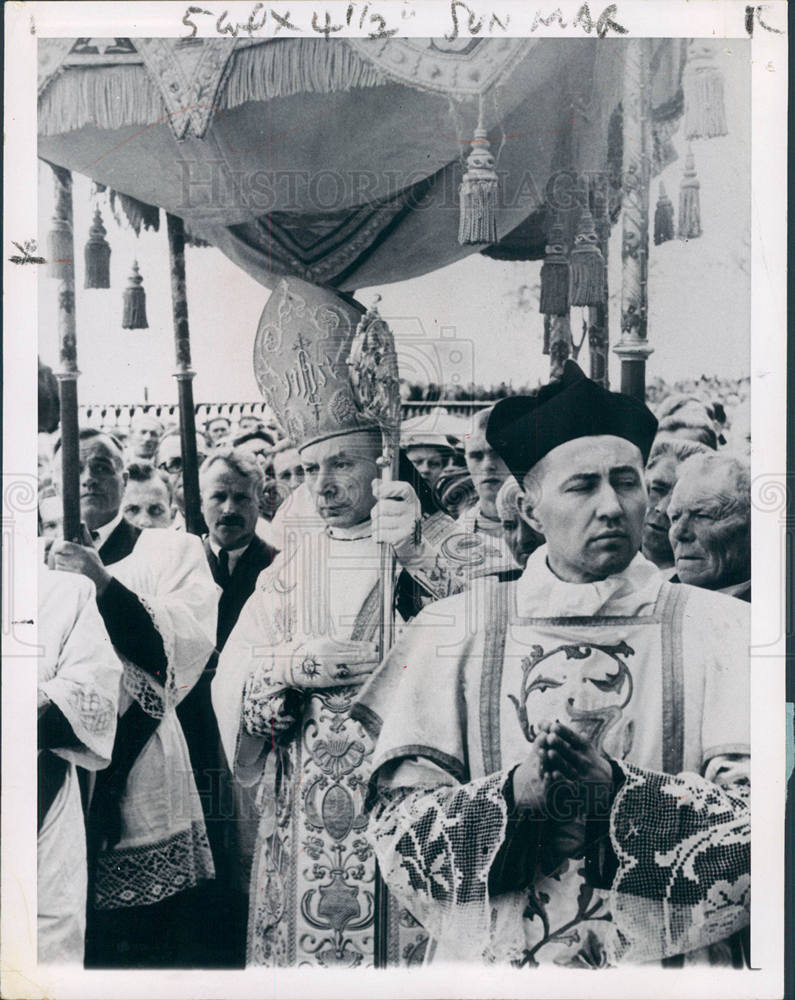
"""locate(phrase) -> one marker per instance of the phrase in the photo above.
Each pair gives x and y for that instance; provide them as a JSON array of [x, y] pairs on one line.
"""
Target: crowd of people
[[229, 762]]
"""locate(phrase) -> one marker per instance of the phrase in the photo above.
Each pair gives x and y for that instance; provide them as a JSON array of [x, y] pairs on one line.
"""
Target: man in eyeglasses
[[169, 460]]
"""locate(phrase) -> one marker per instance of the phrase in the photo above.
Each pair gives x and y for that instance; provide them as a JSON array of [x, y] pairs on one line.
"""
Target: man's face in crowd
[[258, 449], [169, 460], [588, 498], [101, 480], [339, 472], [144, 436], [218, 429], [51, 516], [146, 505], [660, 481], [710, 530], [487, 469], [521, 539], [229, 505], [249, 423], [288, 469], [428, 461]]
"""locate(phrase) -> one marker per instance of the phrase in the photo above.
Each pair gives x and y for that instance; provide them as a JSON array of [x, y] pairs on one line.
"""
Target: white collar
[[364, 529], [105, 531], [236, 552], [735, 588], [541, 594]]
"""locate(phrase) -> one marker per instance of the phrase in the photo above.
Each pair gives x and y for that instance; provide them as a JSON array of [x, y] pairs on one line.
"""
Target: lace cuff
[[268, 713], [683, 852], [436, 849], [155, 699]]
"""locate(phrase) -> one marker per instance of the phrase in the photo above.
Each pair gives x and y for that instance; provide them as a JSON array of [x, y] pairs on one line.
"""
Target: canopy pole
[[598, 325], [633, 348], [184, 374], [62, 266]]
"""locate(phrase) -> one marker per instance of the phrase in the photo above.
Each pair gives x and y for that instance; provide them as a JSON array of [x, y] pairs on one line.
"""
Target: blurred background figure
[[455, 491], [147, 500], [710, 514], [249, 422], [522, 540], [433, 442], [687, 417], [50, 516], [666, 457], [488, 472], [217, 428], [145, 433], [257, 444], [288, 469]]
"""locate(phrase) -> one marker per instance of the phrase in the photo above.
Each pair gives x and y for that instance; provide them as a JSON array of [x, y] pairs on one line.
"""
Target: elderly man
[[145, 433], [305, 641], [147, 497], [666, 457], [146, 829], [710, 514], [550, 752]]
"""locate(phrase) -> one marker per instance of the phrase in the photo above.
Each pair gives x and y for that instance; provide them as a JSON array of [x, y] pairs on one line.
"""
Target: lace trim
[[95, 714], [683, 879], [436, 849], [139, 876], [154, 698]]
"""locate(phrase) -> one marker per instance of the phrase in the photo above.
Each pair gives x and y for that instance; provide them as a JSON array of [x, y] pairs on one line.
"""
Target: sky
[[476, 319]]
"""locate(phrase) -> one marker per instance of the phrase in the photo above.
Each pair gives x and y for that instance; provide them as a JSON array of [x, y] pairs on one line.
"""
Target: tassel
[[663, 218], [97, 255], [587, 265], [689, 206], [705, 111], [554, 298], [134, 315], [478, 192]]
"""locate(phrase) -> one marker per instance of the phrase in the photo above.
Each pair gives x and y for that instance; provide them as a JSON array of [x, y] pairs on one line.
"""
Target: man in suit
[[148, 847], [230, 483]]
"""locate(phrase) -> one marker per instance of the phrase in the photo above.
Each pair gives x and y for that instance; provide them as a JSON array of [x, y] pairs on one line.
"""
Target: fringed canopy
[[337, 161]]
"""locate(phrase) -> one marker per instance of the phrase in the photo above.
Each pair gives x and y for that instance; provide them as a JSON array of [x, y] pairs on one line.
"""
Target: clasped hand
[[327, 662]]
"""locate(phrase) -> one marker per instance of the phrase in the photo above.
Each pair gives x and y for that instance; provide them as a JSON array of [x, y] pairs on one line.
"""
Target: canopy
[[339, 161]]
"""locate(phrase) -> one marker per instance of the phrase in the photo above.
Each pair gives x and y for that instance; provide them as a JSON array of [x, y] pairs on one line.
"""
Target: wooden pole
[[184, 375], [62, 265], [598, 327], [633, 348]]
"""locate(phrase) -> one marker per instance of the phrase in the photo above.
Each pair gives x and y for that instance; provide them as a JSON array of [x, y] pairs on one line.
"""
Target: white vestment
[[653, 673], [78, 672], [163, 847]]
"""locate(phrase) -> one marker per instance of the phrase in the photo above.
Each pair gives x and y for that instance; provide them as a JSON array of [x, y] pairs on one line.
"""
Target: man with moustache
[[556, 755], [305, 641], [661, 472], [148, 845], [230, 482], [710, 533]]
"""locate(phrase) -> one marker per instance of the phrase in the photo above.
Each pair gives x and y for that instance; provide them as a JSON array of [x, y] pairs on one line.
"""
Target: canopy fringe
[[93, 96], [263, 72]]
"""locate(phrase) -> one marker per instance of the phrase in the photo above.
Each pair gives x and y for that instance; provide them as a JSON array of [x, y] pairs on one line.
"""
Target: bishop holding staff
[[306, 641], [561, 765]]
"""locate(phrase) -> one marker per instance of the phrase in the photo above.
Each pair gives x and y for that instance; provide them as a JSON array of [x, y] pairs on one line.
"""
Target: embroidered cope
[[305, 760]]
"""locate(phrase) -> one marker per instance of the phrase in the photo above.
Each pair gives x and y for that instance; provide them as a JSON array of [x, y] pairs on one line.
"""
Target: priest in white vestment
[[79, 677], [561, 764]]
